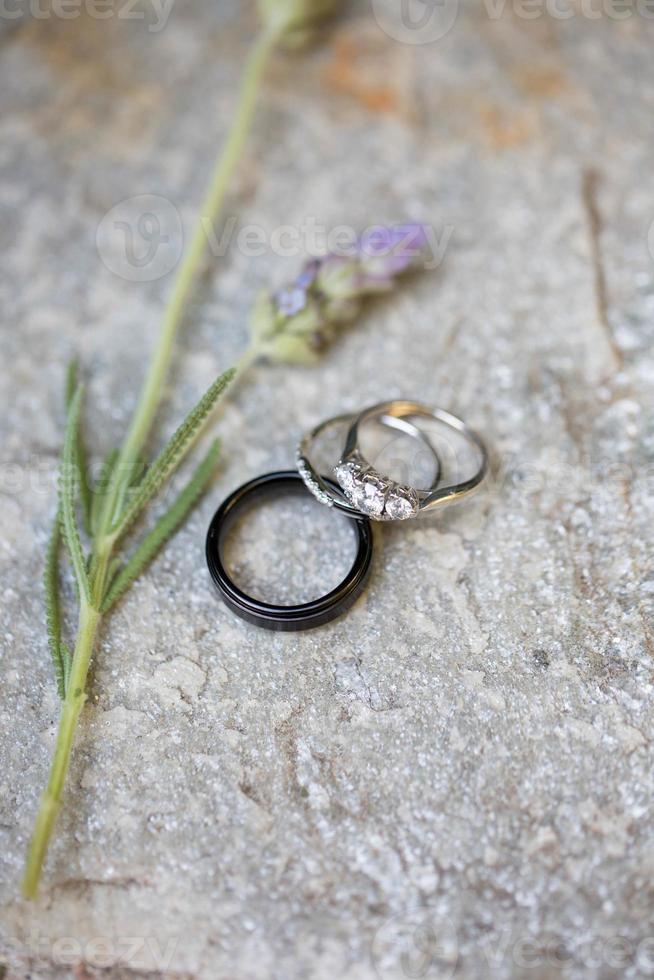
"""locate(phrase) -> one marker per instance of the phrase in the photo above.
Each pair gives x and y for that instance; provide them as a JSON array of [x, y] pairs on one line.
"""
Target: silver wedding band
[[367, 492]]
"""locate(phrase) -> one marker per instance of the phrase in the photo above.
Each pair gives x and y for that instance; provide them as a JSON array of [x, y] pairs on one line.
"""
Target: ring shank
[[402, 409], [328, 492], [302, 616]]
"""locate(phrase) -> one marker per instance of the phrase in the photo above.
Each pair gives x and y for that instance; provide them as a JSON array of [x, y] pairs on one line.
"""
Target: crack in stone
[[589, 195]]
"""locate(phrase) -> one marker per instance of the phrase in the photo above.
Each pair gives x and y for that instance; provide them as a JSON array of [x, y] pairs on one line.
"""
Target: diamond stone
[[369, 495], [346, 474], [401, 504], [311, 483]]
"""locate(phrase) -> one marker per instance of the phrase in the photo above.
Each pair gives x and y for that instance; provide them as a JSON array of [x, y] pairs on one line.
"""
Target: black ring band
[[288, 618]]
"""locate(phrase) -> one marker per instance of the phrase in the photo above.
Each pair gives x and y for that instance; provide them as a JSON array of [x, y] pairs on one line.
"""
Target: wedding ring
[[325, 490], [305, 615], [380, 498]]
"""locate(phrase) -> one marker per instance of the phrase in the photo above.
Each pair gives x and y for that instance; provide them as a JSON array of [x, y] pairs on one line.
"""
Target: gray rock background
[[462, 767]]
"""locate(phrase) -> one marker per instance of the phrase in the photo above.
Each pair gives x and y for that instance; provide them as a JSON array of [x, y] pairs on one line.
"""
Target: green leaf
[[81, 457], [138, 471], [61, 656], [68, 480], [72, 373], [86, 498], [172, 455], [164, 528], [52, 606], [100, 489]]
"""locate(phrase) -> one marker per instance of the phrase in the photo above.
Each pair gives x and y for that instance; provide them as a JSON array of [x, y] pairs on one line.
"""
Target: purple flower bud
[[309, 274], [290, 301], [386, 252], [298, 320]]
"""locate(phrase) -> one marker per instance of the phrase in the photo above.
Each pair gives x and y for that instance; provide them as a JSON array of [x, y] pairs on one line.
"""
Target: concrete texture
[[456, 779]]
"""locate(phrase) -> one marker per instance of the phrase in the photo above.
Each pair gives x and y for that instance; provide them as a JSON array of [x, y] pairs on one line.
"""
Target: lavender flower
[[296, 323]]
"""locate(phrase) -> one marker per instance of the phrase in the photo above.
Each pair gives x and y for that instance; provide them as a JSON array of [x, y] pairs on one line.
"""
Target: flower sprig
[[95, 520], [298, 322]]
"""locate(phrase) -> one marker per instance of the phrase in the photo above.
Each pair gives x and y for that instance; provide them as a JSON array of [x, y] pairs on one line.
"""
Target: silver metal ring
[[325, 491], [381, 498]]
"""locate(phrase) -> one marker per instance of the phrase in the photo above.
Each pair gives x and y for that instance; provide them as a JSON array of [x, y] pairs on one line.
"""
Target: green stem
[[89, 621], [104, 541], [245, 361], [188, 274]]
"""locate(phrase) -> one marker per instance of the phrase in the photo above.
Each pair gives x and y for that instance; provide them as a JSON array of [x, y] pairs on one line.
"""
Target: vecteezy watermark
[[419, 944], [312, 239], [154, 12], [548, 952], [549, 472], [98, 952], [566, 9], [141, 239], [416, 21], [427, 21]]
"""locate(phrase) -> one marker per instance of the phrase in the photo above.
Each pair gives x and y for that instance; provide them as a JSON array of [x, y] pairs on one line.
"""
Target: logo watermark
[[427, 21], [141, 239], [551, 472], [416, 21], [154, 13], [97, 952], [616, 10], [422, 944], [419, 944]]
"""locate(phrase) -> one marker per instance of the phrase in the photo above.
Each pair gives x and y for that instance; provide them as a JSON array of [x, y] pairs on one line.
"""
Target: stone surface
[[466, 756]]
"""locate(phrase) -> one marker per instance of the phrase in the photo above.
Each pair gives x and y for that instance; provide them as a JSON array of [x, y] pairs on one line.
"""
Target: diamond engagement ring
[[324, 490], [382, 499], [363, 492]]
